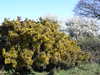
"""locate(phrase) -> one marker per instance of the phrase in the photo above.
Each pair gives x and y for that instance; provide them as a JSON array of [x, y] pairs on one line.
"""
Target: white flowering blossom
[[82, 26]]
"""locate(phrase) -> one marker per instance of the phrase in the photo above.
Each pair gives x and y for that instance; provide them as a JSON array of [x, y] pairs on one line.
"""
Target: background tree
[[80, 27], [88, 8]]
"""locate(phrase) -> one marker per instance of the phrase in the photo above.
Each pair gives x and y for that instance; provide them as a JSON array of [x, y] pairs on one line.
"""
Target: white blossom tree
[[81, 26]]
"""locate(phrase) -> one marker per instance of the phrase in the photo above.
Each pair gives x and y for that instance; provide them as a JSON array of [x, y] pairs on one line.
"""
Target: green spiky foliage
[[30, 43]]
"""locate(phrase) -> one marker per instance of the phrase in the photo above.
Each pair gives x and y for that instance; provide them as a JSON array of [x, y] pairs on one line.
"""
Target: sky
[[36, 8]]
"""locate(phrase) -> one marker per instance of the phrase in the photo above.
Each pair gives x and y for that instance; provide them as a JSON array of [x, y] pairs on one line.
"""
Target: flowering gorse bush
[[37, 44]]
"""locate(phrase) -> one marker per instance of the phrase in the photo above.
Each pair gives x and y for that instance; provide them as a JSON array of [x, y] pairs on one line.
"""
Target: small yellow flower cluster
[[10, 56], [26, 56]]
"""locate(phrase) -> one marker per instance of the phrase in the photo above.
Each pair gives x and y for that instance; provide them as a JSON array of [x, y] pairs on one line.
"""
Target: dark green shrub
[[91, 44]]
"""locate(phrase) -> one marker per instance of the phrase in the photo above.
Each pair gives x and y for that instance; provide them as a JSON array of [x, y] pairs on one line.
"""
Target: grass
[[86, 69]]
